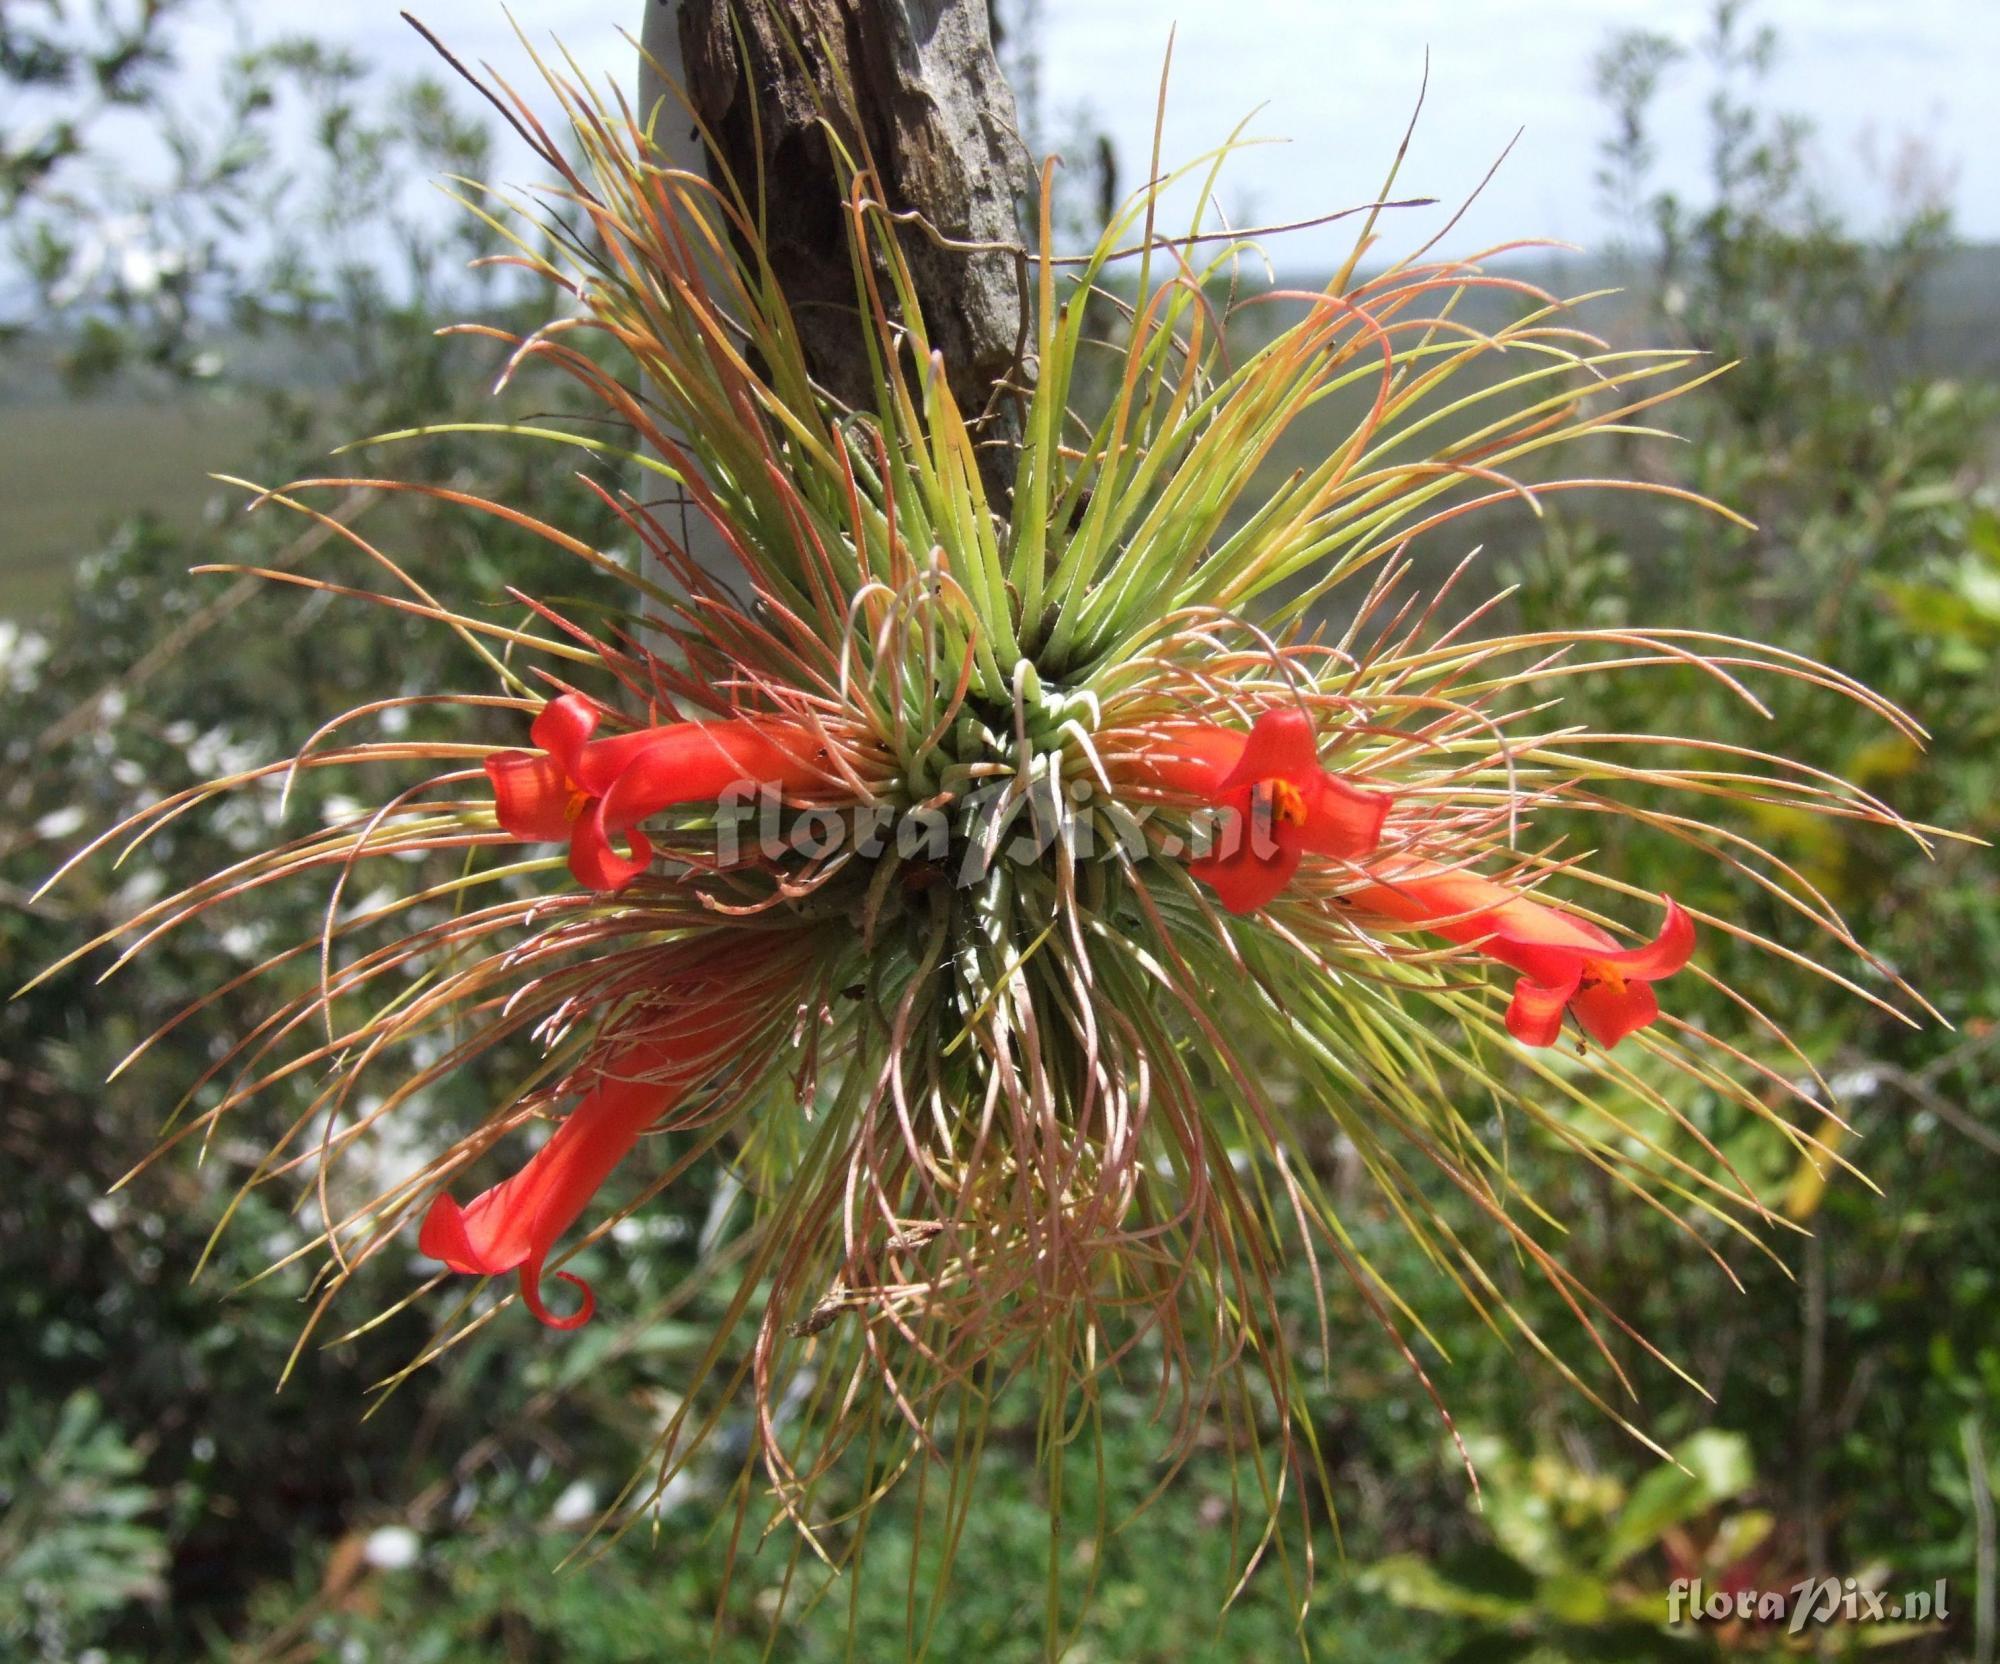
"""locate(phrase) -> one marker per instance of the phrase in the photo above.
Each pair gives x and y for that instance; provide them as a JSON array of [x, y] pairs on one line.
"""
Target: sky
[[1337, 80]]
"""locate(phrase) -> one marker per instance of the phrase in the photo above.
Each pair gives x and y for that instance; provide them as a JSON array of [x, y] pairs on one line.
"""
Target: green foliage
[[80, 1535], [167, 1505], [1578, 1565], [113, 59], [1869, 474], [216, 233], [135, 689]]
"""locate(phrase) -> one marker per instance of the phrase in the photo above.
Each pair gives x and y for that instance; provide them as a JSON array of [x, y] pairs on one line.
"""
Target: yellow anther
[[1597, 973], [1288, 803]]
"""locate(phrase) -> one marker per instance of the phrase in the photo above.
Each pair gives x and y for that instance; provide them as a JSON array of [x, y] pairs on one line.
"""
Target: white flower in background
[[576, 1504], [123, 252], [393, 1548]]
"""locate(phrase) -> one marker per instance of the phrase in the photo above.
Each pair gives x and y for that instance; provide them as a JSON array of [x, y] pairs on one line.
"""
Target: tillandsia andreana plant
[[1010, 890]]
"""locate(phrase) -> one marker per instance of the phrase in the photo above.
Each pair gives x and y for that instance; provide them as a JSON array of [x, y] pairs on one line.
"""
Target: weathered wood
[[928, 104]]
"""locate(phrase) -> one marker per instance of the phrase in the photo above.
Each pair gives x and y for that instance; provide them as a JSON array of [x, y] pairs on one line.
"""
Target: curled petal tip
[[1666, 953], [443, 1235], [563, 726], [596, 865], [531, 1295], [1676, 940]]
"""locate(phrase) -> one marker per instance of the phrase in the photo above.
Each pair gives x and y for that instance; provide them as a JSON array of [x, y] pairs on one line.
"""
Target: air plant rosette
[[1009, 886]]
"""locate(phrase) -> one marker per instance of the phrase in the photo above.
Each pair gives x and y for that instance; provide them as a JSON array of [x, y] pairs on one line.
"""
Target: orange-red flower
[[1281, 804], [513, 1225], [590, 790], [1566, 963]]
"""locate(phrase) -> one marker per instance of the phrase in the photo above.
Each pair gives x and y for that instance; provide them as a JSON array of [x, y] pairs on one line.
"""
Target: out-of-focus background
[[223, 252]]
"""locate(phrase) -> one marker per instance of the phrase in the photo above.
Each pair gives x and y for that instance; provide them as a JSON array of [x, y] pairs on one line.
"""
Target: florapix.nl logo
[[1809, 1603], [967, 833]]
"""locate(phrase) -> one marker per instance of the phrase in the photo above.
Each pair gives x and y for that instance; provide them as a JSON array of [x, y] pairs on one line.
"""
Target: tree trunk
[[929, 105]]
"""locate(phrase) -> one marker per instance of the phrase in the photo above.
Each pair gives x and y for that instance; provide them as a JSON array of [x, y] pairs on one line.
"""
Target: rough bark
[[928, 104]]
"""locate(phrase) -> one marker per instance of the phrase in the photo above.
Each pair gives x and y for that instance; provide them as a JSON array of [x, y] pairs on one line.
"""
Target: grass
[[71, 469]]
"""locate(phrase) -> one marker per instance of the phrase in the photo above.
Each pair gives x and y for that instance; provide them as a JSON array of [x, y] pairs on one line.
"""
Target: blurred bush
[[79, 1536], [157, 1500]]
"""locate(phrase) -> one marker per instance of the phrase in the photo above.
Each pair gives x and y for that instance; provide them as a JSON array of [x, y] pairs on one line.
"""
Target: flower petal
[[1257, 855], [531, 795], [1344, 821], [531, 1297], [594, 863], [1281, 746], [696, 762], [1608, 1014], [601, 762], [1665, 954], [1189, 759], [1535, 1014], [1242, 883], [562, 727], [515, 1223], [446, 1236]]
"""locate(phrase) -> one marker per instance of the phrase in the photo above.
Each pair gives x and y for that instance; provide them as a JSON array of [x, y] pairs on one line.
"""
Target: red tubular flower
[[1283, 805], [590, 790], [1566, 963], [512, 1226]]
